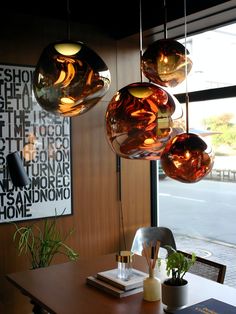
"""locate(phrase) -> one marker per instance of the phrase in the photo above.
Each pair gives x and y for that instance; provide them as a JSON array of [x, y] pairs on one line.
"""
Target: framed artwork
[[43, 142]]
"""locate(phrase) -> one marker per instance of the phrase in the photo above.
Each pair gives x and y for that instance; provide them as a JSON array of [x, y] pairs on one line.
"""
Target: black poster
[[43, 142]]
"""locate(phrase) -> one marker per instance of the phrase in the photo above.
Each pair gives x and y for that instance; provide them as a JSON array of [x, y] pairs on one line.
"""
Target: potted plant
[[41, 245], [175, 287]]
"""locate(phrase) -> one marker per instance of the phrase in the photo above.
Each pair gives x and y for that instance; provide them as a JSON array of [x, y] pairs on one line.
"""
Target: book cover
[[209, 306], [110, 276], [106, 287]]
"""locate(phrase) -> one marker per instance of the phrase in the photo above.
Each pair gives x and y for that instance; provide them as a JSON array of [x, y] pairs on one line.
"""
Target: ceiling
[[118, 18]]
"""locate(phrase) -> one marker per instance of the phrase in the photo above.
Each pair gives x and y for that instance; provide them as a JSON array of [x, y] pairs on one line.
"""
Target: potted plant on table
[[175, 287]]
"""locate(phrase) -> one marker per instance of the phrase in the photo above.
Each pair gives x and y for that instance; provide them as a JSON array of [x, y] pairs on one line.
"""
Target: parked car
[[161, 172]]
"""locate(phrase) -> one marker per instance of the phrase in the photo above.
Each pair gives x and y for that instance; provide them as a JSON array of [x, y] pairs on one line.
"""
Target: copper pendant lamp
[[138, 121], [187, 157], [139, 118], [164, 62], [70, 78]]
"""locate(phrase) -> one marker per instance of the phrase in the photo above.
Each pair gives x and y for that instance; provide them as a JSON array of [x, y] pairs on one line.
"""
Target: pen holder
[[124, 265]]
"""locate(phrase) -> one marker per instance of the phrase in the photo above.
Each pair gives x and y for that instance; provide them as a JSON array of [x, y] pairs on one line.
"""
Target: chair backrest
[[208, 269], [150, 235]]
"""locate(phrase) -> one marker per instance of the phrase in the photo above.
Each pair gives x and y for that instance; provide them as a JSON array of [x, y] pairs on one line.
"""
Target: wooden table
[[62, 289]]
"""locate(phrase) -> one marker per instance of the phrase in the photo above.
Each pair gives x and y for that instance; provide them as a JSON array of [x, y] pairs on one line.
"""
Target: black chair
[[207, 269], [150, 236]]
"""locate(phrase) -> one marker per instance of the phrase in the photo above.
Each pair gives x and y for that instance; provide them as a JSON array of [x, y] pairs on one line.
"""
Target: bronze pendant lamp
[[70, 78], [166, 62], [139, 118]]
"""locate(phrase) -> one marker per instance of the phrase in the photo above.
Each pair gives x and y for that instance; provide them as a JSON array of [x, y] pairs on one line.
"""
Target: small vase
[[151, 287]]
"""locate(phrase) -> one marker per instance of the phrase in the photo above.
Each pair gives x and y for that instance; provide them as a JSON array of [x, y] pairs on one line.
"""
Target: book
[[106, 287], [209, 306], [110, 276]]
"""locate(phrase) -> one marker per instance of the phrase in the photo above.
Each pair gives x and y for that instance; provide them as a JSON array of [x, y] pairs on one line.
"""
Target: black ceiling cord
[[68, 18]]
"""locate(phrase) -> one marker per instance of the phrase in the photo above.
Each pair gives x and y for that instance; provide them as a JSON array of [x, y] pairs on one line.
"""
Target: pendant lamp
[[70, 78], [164, 62], [138, 121], [187, 157]]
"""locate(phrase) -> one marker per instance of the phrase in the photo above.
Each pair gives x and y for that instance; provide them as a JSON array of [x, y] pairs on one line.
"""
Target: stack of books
[[109, 282]]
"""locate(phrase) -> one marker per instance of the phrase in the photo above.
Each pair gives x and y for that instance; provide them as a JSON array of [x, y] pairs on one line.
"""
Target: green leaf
[[42, 245]]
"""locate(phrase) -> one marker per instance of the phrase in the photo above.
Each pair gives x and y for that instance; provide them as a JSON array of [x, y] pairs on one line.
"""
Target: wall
[[95, 204]]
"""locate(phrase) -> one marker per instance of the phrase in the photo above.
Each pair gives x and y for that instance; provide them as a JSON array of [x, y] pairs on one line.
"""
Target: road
[[206, 209]]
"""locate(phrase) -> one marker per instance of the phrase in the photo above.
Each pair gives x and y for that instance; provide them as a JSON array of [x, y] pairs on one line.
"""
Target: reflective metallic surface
[[150, 236], [138, 121], [164, 63], [70, 78], [187, 158]]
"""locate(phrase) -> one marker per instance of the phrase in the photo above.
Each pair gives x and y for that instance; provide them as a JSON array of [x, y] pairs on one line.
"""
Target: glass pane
[[202, 215], [213, 56]]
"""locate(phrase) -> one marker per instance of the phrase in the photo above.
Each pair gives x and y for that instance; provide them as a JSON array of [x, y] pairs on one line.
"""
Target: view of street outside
[[202, 215], [202, 218]]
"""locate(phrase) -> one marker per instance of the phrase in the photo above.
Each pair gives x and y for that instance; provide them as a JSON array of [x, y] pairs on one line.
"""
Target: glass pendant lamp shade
[[70, 78], [164, 63], [138, 121], [187, 158]]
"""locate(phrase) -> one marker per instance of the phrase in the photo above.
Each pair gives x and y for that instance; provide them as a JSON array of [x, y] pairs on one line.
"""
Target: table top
[[62, 289]]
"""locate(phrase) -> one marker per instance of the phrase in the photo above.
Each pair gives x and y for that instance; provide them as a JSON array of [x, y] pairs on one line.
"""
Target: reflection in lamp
[[51, 151], [138, 121], [16, 170], [29, 150], [187, 158], [70, 78]]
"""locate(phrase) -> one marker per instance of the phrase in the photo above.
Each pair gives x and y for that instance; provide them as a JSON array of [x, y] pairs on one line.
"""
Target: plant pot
[[174, 297]]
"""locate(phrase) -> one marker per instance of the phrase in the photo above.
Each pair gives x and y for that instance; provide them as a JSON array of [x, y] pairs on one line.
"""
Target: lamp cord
[[121, 215], [118, 177], [186, 69], [68, 18], [140, 39], [165, 19]]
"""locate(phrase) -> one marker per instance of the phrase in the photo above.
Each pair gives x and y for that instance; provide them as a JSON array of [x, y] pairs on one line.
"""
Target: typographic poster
[[43, 142]]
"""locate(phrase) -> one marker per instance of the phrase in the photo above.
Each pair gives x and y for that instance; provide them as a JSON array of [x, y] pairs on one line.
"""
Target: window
[[213, 55], [202, 215]]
